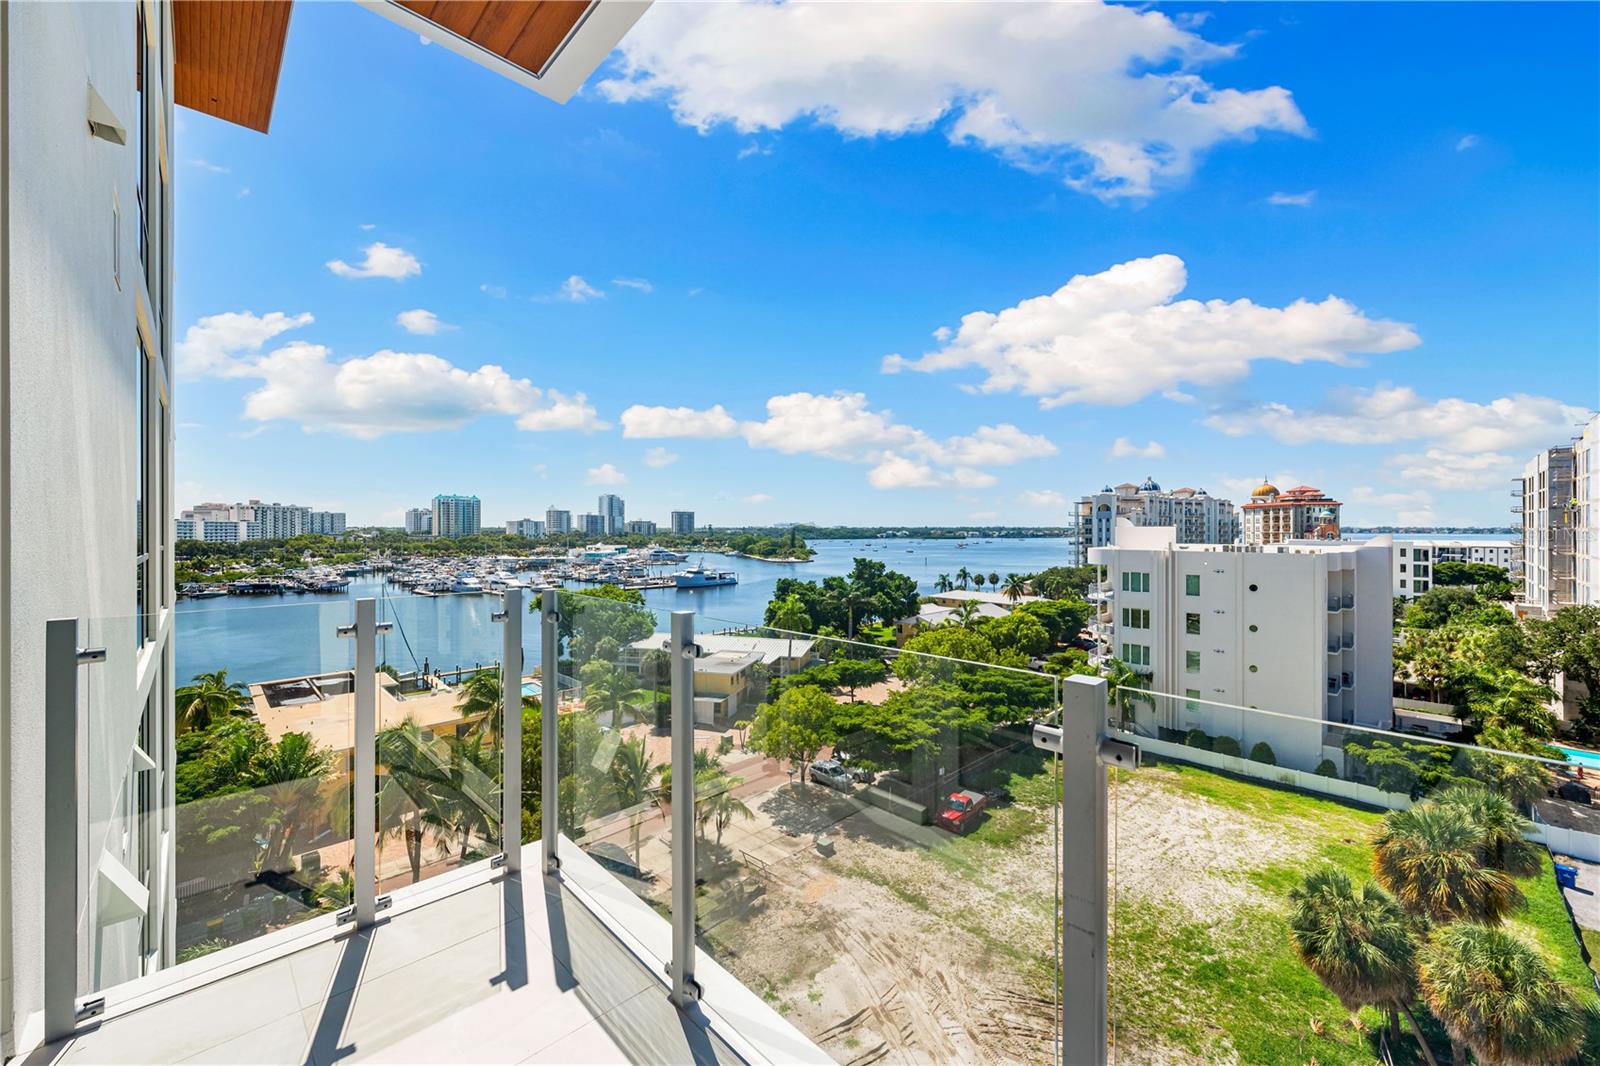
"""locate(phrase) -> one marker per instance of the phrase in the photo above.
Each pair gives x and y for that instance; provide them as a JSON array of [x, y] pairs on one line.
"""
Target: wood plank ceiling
[[526, 33], [228, 57]]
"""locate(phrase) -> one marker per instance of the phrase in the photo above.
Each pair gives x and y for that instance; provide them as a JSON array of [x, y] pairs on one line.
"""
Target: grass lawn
[[1202, 964]]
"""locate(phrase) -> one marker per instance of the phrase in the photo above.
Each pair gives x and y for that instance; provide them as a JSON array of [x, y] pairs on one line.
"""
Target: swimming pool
[[1589, 760], [530, 688]]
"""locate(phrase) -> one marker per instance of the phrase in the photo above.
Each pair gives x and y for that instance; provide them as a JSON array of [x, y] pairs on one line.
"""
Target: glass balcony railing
[[1248, 837], [877, 848]]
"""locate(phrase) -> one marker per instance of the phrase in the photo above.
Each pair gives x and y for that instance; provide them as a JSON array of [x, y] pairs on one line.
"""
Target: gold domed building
[[1303, 512]]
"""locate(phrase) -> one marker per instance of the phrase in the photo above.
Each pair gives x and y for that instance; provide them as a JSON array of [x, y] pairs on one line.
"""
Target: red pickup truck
[[961, 810]]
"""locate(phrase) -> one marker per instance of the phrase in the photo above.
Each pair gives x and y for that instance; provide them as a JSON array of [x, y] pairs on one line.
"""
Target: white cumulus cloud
[[382, 261], [424, 323], [757, 497], [657, 458], [1108, 98], [1471, 140], [1123, 448], [637, 284], [605, 474], [1121, 335], [644, 421], [573, 291], [213, 344]]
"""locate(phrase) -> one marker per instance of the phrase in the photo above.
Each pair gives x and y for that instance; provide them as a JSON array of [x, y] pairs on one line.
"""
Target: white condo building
[[419, 520], [1300, 629], [525, 527], [590, 525], [641, 528], [456, 516], [1545, 503], [683, 523], [557, 522], [1196, 516], [328, 523], [1586, 503]]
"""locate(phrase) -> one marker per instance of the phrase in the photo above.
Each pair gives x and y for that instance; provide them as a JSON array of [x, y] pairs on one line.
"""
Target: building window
[[141, 492], [1402, 553], [1402, 568], [1191, 624], [1135, 581], [1191, 695], [1136, 618], [1191, 584], [1191, 662], [1136, 654], [1402, 582]]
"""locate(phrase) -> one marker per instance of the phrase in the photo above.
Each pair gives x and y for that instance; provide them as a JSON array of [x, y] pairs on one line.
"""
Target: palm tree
[[1016, 587], [789, 614], [1495, 994], [1359, 943], [1500, 825], [715, 802], [1431, 858], [288, 774], [978, 580], [335, 892], [412, 795], [606, 689], [480, 697], [1125, 688], [994, 579], [963, 576], [966, 614], [943, 584], [208, 697], [633, 776]]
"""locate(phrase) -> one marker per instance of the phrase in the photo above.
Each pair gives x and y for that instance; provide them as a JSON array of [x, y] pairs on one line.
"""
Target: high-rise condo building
[[641, 528], [455, 516], [1416, 557], [591, 525], [330, 523], [683, 523], [613, 516], [278, 521], [1545, 502], [1301, 513], [525, 527], [1303, 628], [419, 520], [1197, 517], [557, 523], [1586, 504]]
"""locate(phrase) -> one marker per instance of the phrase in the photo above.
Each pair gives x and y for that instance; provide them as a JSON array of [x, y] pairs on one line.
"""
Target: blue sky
[[1353, 246]]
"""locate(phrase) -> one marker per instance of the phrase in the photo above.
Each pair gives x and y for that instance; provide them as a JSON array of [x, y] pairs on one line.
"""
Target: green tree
[[1568, 643], [994, 579], [208, 697], [795, 726], [1125, 688], [1456, 574], [1359, 943], [607, 690], [1495, 994], [1016, 587], [480, 698], [1016, 631], [1501, 829], [851, 674], [789, 614], [963, 577], [715, 803], [943, 584], [633, 777], [1431, 858], [289, 774], [978, 580]]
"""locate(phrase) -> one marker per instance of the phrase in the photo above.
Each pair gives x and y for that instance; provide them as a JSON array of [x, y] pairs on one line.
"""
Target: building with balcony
[[327, 523], [1197, 517], [1544, 503], [641, 527], [456, 516], [215, 532], [525, 527], [557, 523], [1301, 513], [1415, 558], [613, 514], [1586, 507], [590, 525], [419, 520], [682, 523], [1303, 628]]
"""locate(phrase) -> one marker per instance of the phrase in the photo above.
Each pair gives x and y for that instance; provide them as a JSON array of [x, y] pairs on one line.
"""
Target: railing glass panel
[[878, 842], [1251, 842]]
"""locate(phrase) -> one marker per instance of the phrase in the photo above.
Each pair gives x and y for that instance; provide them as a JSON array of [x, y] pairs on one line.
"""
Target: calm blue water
[[263, 638], [1587, 759]]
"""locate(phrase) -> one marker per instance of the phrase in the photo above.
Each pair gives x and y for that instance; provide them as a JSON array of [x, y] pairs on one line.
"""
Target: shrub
[[725, 745], [1262, 753], [1226, 745], [1325, 768], [1197, 738]]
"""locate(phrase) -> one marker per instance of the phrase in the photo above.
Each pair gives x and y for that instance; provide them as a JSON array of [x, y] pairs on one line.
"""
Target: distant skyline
[[1354, 247]]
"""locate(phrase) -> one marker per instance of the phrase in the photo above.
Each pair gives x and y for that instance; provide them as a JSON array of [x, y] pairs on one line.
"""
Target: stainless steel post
[[681, 649], [511, 728], [62, 657], [1084, 810], [364, 761], [549, 703]]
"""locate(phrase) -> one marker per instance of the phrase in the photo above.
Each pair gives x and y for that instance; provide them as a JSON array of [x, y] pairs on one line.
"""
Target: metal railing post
[[511, 728], [681, 650], [62, 657], [549, 703], [364, 760]]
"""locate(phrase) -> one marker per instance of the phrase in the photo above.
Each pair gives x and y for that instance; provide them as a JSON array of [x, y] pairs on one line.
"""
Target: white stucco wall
[[70, 466]]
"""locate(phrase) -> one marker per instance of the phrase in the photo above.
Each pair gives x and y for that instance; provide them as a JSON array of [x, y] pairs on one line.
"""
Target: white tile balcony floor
[[515, 969]]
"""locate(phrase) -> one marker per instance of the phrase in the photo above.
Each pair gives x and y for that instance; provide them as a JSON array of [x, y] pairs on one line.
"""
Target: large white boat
[[698, 577]]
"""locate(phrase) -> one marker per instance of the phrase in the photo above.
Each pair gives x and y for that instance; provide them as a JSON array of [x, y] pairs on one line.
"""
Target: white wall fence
[[1572, 842]]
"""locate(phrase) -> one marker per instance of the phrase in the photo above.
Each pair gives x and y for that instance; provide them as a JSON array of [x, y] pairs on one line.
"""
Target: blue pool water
[[530, 688], [1589, 760]]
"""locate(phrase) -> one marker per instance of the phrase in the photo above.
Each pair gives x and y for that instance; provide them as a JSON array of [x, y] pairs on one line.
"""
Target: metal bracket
[[1047, 737], [347, 632], [497, 616], [497, 861], [90, 1008], [1119, 753], [693, 651], [383, 627], [348, 915], [91, 655], [691, 987]]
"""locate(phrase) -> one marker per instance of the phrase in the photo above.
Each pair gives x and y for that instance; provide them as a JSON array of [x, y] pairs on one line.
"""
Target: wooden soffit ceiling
[[228, 54], [525, 33]]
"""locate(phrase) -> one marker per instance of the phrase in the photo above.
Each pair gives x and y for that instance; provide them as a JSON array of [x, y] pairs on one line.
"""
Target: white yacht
[[698, 577]]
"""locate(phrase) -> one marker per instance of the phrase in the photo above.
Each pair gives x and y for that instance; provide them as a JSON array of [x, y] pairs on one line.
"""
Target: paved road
[[1585, 899]]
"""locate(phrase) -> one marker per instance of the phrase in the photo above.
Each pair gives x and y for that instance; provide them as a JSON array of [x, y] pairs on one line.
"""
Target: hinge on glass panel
[[345, 916], [383, 627], [345, 631], [1119, 753], [497, 616], [383, 903], [497, 861], [90, 1008], [91, 655]]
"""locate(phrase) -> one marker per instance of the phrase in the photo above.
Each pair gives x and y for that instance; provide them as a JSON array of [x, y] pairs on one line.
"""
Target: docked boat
[[466, 584], [698, 577]]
